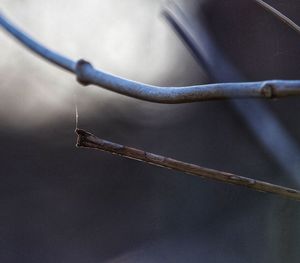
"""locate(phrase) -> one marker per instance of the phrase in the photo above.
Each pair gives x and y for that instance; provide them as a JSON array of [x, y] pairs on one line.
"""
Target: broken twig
[[88, 140]]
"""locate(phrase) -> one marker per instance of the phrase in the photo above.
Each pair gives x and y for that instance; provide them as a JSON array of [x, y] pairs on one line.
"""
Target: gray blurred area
[[63, 204]]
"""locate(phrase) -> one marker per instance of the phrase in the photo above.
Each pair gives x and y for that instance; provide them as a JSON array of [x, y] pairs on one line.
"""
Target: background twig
[[279, 15]]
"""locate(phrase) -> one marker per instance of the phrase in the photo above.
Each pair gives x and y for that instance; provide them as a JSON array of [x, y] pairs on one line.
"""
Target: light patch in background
[[128, 38]]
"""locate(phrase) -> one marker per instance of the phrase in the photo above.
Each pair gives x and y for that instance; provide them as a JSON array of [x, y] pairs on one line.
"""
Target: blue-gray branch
[[86, 75]]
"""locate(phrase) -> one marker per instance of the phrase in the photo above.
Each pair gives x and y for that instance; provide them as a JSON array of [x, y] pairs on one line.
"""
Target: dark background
[[63, 204]]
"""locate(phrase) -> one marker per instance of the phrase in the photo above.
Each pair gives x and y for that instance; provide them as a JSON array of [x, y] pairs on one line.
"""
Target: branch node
[[80, 69], [267, 90]]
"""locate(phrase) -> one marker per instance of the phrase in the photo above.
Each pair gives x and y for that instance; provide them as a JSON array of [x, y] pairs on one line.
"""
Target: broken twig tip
[[81, 132], [82, 136], [88, 140]]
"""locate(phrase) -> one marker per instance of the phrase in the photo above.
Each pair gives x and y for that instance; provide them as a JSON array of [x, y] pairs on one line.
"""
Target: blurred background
[[63, 204]]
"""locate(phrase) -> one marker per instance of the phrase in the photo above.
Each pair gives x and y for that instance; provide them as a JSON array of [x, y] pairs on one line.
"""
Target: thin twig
[[279, 15], [88, 140], [86, 75]]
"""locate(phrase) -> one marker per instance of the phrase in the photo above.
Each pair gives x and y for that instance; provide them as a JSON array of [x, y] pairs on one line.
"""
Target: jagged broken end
[[82, 137]]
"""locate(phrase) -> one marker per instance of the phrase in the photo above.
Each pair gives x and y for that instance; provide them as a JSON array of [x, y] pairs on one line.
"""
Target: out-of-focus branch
[[279, 15], [260, 120], [86, 74], [88, 140]]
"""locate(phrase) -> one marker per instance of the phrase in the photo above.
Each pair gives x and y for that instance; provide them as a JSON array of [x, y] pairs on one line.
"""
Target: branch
[[88, 140], [37, 48], [279, 15], [86, 75]]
